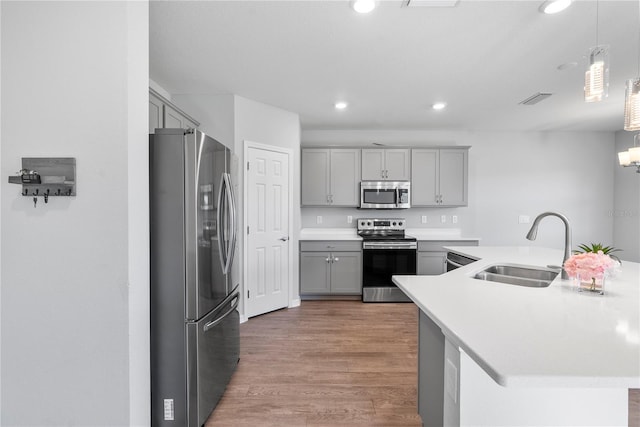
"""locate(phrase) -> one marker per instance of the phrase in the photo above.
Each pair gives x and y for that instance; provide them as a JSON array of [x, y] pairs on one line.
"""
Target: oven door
[[380, 261]]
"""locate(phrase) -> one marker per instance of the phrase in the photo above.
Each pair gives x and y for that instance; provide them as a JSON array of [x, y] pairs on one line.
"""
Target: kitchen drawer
[[436, 245], [330, 246]]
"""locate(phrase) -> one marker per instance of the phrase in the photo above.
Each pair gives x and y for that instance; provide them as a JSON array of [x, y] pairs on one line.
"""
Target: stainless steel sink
[[521, 275]]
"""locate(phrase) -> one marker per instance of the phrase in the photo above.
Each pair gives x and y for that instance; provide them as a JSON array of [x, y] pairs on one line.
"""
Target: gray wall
[[74, 84], [510, 174], [626, 210]]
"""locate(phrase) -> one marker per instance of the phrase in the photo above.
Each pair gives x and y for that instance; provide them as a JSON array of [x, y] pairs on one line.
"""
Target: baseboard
[[294, 303]]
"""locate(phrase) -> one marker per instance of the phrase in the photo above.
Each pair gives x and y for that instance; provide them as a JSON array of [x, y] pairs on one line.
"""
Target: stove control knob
[[394, 223], [369, 223], [400, 224]]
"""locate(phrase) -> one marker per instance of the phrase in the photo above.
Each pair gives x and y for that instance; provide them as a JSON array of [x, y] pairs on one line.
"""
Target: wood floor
[[326, 363], [331, 363]]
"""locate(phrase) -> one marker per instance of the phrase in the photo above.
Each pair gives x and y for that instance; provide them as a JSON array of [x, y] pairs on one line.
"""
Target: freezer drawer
[[187, 382], [213, 350]]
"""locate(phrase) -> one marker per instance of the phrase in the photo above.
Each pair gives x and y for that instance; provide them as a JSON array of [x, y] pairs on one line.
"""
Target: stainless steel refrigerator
[[195, 338]]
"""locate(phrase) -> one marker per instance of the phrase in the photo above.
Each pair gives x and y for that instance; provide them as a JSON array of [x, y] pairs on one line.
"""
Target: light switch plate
[[443, 218], [524, 219], [454, 219], [424, 219], [319, 219], [349, 219]]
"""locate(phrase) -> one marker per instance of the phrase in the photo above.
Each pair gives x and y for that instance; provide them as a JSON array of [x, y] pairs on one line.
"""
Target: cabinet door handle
[[284, 239], [336, 259], [327, 259]]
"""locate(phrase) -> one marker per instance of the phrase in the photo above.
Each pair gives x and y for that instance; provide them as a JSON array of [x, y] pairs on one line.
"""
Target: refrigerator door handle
[[220, 226], [234, 305], [233, 222]]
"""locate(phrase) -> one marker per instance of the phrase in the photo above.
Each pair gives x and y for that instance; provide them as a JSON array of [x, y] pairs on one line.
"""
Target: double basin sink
[[521, 275]]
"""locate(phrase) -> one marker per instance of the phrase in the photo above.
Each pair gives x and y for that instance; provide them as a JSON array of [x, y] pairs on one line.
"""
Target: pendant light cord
[[638, 74], [597, 21]]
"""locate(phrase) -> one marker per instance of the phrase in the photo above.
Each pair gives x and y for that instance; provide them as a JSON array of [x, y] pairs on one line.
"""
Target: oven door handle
[[387, 245]]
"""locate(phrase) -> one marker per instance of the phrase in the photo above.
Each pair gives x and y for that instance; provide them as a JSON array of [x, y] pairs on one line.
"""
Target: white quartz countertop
[[536, 337], [436, 234]]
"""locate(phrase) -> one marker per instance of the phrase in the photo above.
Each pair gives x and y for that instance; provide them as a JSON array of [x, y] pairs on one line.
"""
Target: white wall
[[510, 174], [264, 124], [232, 120], [70, 76], [626, 210]]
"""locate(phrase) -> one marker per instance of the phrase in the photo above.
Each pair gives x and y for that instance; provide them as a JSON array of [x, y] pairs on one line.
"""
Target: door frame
[[245, 218]]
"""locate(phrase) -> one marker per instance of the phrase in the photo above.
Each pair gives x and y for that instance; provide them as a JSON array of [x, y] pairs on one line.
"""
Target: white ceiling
[[481, 57]]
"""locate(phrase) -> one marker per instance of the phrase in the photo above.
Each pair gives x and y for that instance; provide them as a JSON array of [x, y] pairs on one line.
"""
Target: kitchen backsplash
[[338, 217]]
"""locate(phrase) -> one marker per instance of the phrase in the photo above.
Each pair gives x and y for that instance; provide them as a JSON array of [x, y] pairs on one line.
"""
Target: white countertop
[[437, 234], [536, 337]]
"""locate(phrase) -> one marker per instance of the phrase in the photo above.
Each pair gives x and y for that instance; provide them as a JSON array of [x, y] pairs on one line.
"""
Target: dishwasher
[[455, 260]]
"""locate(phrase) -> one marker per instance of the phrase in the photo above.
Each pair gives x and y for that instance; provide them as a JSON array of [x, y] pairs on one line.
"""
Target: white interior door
[[268, 243]]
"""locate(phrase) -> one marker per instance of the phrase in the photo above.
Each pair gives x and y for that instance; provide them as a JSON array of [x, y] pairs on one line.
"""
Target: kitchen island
[[499, 354]]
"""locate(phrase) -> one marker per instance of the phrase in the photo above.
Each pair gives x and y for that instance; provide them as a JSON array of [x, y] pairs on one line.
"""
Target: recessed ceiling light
[[341, 105], [439, 106], [554, 6], [363, 6]]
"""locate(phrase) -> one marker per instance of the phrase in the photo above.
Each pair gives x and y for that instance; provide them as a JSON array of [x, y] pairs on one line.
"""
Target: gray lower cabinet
[[432, 257], [330, 268]]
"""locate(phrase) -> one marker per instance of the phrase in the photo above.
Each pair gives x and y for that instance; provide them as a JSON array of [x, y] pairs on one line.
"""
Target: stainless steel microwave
[[385, 195]]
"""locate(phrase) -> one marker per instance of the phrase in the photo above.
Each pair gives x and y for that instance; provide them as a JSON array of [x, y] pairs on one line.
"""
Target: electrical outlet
[[319, 219], [454, 219], [443, 218], [424, 219], [349, 219], [523, 219]]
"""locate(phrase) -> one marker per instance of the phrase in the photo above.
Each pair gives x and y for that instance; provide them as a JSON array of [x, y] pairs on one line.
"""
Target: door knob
[[284, 239]]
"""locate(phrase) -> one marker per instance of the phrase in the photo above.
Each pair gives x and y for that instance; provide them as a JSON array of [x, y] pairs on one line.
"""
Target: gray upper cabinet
[[175, 119], [163, 114], [387, 164], [330, 177], [156, 111], [439, 176]]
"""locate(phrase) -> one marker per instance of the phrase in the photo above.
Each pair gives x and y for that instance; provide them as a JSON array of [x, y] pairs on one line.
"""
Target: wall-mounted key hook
[[46, 196], [58, 192], [25, 192]]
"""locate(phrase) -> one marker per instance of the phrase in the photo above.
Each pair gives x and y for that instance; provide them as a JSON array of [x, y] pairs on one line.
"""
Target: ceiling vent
[[535, 98], [429, 3]]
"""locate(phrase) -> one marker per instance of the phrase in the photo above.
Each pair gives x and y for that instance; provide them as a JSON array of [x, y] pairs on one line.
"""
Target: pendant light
[[632, 96], [596, 75], [631, 157]]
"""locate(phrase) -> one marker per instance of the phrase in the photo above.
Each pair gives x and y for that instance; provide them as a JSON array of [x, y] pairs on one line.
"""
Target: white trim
[[138, 213], [245, 214], [294, 303]]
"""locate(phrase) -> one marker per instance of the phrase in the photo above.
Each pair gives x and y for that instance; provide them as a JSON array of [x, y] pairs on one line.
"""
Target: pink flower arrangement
[[589, 265]]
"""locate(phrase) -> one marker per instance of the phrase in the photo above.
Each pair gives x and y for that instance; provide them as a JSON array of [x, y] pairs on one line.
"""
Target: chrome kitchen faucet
[[531, 235]]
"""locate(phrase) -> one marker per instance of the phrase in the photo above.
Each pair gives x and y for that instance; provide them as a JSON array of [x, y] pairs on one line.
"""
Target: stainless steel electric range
[[386, 251]]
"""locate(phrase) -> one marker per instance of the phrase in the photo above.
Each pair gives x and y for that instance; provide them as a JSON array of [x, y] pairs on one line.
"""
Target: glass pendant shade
[[632, 105], [596, 76], [624, 158]]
